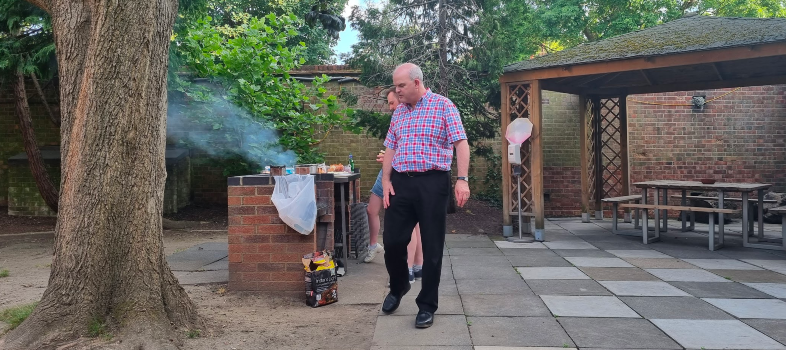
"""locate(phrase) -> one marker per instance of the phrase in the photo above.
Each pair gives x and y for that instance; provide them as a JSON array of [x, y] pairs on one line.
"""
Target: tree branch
[[55, 119], [45, 5]]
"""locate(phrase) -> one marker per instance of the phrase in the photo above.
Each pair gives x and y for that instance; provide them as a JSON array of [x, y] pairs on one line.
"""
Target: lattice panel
[[590, 121], [520, 108], [610, 148]]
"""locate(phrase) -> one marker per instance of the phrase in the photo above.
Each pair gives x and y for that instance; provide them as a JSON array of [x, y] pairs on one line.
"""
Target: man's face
[[392, 101], [406, 88]]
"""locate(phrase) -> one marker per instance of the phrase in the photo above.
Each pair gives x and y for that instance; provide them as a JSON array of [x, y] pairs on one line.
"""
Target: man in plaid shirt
[[424, 130]]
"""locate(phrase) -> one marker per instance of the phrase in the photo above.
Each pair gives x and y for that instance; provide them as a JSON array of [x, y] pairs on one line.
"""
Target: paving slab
[[690, 253], [715, 334], [686, 275], [448, 305], [518, 332], [528, 252], [204, 277], [448, 330], [452, 347], [483, 272], [587, 253], [643, 288], [760, 276], [481, 260], [658, 263], [567, 287], [774, 265], [598, 262], [587, 306], [639, 253], [222, 264], [511, 245], [719, 290], [501, 286], [465, 237], [675, 308], [534, 261], [521, 348], [721, 264], [504, 305], [777, 290], [618, 274], [551, 273], [616, 333], [775, 329], [474, 251], [194, 258], [749, 253], [621, 246], [569, 245], [751, 308], [470, 244]]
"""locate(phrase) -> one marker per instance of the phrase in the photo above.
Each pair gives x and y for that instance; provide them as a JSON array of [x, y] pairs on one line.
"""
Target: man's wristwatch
[[462, 178]]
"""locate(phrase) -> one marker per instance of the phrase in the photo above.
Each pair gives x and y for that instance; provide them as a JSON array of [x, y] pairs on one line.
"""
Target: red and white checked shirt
[[423, 135]]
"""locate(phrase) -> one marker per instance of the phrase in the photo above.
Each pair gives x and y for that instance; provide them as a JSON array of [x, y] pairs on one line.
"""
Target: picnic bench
[[662, 187], [712, 241], [751, 202], [615, 202], [782, 212]]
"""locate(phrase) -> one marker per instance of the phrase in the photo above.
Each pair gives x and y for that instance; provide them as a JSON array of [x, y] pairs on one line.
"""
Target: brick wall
[[265, 253], [739, 137]]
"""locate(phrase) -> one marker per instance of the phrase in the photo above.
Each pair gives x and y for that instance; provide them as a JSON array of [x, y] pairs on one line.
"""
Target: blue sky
[[349, 36]]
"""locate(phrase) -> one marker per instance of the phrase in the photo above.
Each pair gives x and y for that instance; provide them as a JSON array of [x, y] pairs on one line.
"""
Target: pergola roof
[[698, 52]]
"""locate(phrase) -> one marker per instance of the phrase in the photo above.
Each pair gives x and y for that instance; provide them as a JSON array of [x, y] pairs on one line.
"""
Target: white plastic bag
[[295, 199]]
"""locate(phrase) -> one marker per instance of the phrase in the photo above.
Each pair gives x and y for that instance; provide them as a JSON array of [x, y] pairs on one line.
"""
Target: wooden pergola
[[691, 53]]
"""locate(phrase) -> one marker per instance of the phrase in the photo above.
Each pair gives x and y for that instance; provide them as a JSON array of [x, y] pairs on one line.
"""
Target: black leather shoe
[[424, 319], [392, 301]]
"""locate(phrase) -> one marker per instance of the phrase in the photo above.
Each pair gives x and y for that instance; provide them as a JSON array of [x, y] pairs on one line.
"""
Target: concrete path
[[201, 264], [585, 288]]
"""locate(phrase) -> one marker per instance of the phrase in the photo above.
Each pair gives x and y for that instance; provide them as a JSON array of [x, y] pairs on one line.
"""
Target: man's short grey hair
[[414, 71]]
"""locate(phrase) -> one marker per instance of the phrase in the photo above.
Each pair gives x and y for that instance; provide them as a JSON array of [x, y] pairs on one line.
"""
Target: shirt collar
[[425, 97]]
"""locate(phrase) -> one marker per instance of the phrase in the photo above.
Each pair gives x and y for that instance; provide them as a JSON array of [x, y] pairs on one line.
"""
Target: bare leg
[[412, 248], [374, 206], [419, 251]]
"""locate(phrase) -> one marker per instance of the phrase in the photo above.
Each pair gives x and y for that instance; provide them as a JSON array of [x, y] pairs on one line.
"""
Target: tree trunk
[[37, 167], [109, 264]]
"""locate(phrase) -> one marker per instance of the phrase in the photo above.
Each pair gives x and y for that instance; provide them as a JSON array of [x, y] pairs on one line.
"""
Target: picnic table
[[661, 198]]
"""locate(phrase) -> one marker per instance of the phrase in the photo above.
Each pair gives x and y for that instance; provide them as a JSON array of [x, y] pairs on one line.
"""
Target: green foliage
[[26, 40], [248, 69], [97, 328], [16, 315], [4, 273], [193, 333]]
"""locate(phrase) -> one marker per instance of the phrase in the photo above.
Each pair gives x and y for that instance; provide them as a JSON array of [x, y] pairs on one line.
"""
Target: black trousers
[[420, 198]]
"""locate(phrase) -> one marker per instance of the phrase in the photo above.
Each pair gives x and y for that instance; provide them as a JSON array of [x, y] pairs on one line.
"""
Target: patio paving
[[586, 288]]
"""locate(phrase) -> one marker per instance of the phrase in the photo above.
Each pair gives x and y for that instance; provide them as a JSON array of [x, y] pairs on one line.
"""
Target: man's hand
[[381, 156], [387, 190], [462, 193]]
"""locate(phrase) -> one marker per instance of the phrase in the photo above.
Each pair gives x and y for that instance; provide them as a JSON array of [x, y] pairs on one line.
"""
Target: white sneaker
[[373, 253]]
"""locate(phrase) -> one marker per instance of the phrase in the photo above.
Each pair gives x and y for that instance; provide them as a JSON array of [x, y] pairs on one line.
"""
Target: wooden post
[[623, 117], [585, 199], [506, 180], [598, 143], [536, 158]]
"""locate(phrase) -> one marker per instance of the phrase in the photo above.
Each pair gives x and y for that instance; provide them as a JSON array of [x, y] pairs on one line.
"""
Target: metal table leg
[[720, 215], [684, 214], [761, 214], [745, 218], [345, 244], [665, 211]]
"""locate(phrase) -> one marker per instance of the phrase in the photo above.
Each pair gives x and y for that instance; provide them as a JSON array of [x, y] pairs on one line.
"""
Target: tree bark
[[109, 264], [42, 180]]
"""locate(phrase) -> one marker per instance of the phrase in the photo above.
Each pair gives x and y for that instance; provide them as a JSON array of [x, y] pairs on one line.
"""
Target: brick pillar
[[264, 253]]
